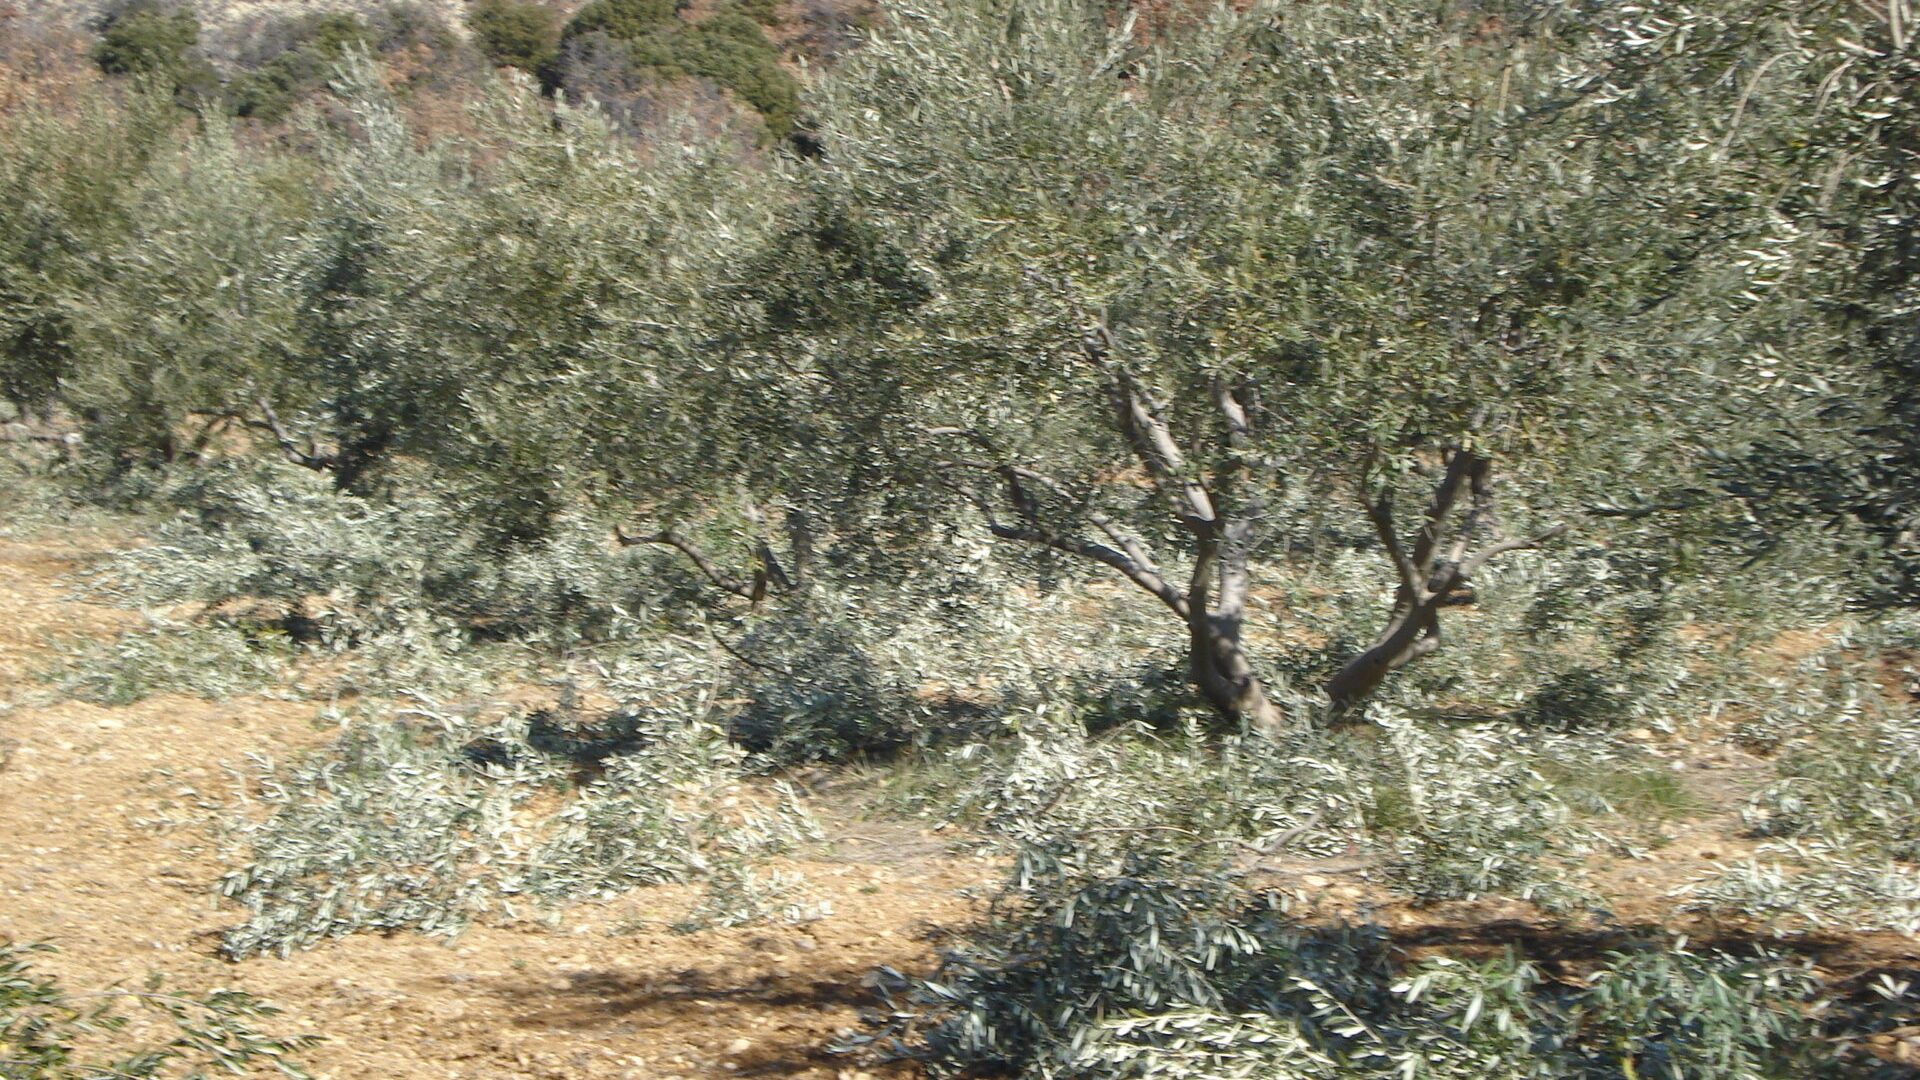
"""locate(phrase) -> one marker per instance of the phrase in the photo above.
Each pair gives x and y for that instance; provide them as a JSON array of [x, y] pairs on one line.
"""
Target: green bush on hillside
[[146, 39], [515, 33], [623, 19], [728, 48], [312, 46], [764, 12], [731, 50], [293, 57]]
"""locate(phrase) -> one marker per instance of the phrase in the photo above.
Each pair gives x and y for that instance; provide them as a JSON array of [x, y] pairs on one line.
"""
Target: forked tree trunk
[[1435, 570], [1218, 507], [1409, 636], [1217, 657]]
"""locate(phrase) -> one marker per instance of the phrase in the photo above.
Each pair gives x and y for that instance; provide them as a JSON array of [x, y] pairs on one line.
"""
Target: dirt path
[[105, 853]]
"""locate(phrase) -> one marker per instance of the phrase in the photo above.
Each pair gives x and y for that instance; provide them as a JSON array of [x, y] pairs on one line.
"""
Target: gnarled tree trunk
[[1436, 571], [1218, 507]]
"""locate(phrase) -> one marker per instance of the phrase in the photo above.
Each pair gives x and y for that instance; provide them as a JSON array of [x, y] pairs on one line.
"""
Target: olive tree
[[184, 319], [63, 183], [1168, 306], [1838, 91]]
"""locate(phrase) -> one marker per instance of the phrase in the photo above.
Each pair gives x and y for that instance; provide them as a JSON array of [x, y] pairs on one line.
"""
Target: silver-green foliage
[[209, 660], [48, 1032], [347, 568], [1153, 967], [1435, 814], [1854, 787], [385, 833], [1053, 782], [418, 820], [1839, 820], [1643, 1014], [1476, 816]]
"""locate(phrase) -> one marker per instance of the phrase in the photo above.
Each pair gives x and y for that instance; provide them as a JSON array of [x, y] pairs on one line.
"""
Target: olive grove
[[1187, 304], [1180, 307], [1466, 449]]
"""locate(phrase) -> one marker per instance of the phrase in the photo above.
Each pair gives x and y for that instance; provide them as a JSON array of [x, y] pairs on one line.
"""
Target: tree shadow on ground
[[810, 1005]]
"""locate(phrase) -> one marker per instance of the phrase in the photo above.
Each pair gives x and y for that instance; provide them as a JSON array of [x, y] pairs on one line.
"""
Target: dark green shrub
[[35, 354], [728, 49], [731, 50], [270, 93], [515, 33], [331, 35], [817, 695], [600, 68], [143, 39], [293, 57], [626, 20], [299, 55], [146, 39], [764, 12]]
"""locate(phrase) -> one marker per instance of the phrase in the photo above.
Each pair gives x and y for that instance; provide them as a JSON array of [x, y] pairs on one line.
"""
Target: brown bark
[[766, 571], [1218, 507], [1435, 571], [1221, 671]]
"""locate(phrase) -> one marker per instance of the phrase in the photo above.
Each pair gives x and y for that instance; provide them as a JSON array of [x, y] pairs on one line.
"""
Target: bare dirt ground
[[104, 852]]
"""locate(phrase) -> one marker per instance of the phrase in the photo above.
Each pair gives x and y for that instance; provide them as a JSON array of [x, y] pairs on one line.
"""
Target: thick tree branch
[[310, 457], [669, 538], [1462, 466], [1240, 471], [1686, 501], [1146, 579], [1153, 443], [1479, 559], [1127, 542], [1129, 559], [69, 439], [1380, 513], [1428, 582], [1235, 578], [1135, 549], [1239, 425]]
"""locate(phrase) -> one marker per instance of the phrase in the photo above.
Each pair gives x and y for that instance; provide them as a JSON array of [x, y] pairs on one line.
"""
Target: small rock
[[739, 1046]]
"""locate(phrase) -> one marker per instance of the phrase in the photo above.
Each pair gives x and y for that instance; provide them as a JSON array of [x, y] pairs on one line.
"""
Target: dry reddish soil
[[104, 851]]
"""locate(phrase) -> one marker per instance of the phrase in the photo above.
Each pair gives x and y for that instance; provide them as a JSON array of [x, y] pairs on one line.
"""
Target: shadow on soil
[[815, 1003], [1843, 958]]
